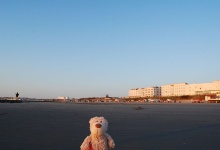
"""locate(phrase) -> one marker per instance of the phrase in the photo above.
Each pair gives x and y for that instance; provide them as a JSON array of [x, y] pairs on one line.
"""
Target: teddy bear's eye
[[100, 121]]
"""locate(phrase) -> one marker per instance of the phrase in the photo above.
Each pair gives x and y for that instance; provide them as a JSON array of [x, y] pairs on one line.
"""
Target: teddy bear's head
[[98, 125]]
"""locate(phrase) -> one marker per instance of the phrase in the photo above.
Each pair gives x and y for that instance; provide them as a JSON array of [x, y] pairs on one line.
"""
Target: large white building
[[203, 88], [179, 89], [173, 89], [144, 92], [182, 89]]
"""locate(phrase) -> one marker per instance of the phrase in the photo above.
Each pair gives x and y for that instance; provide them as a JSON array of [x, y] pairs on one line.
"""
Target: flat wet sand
[[63, 126]]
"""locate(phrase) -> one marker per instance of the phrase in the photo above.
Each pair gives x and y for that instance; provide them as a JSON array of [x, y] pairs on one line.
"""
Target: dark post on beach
[[17, 94]]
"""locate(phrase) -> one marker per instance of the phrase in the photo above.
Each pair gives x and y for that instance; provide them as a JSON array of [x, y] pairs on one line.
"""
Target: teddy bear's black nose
[[98, 125]]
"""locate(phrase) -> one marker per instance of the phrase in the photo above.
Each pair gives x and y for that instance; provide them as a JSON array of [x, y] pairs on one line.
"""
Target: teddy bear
[[98, 139]]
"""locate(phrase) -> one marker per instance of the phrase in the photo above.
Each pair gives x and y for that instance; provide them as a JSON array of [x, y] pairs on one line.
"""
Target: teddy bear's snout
[[98, 125]]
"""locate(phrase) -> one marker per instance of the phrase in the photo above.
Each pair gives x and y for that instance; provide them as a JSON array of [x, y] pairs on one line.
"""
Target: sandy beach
[[63, 126]]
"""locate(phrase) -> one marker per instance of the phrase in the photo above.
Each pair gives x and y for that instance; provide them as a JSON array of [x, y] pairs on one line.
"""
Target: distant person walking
[[17, 94]]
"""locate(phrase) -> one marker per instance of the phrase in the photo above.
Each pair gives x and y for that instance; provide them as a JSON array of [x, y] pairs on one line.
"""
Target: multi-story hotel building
[[145, 92], [203, 88], [179, 89], [173, 89]]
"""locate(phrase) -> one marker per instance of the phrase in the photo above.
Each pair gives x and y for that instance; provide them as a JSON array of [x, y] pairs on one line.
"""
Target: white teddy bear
[[98, 139]]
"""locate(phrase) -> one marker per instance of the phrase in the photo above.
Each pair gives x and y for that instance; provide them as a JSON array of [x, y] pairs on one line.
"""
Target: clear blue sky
[[87, 48]]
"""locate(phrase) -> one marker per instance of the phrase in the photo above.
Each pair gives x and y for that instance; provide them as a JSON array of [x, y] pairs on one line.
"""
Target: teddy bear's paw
[[111, 144]]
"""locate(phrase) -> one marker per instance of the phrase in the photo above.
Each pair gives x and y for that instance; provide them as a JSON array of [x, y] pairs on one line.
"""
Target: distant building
[[145, 92], [182, 89], [203, 88], [178, 89], [173, 89], [62, 98], [213, 99]]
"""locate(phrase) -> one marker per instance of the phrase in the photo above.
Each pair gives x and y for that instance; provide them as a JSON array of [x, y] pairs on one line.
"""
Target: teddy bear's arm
[[85, 144], [111, 142]]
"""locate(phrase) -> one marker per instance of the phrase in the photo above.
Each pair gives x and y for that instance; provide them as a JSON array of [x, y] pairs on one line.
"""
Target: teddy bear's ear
[[102, 118], [93, 119], [105, 121]]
